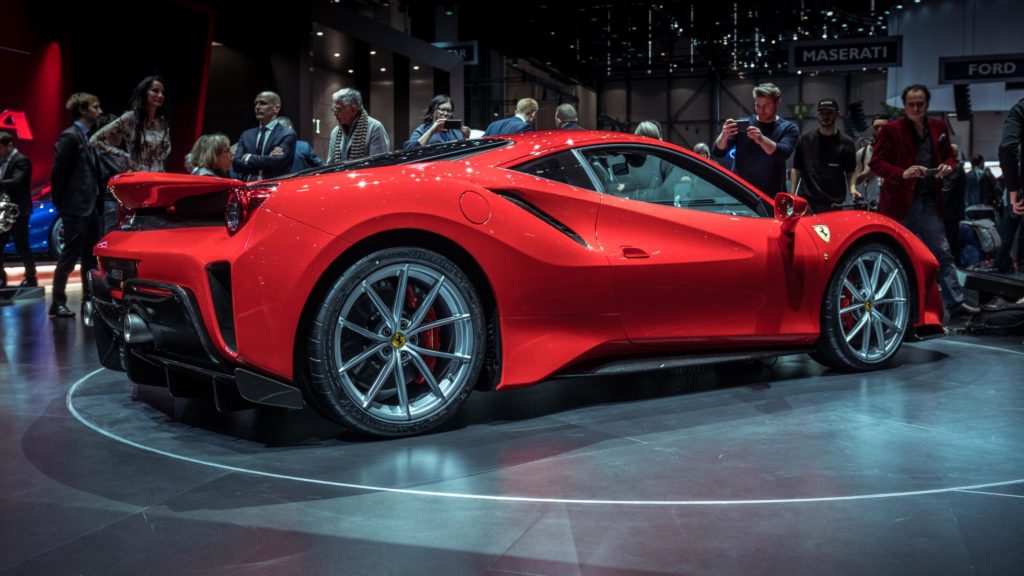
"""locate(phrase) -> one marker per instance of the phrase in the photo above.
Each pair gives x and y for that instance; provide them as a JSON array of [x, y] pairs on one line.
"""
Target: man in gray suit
[[77, 191]]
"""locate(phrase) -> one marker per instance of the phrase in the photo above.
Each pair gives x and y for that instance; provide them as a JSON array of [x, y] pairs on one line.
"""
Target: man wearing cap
[[824, 162], [763, 142]]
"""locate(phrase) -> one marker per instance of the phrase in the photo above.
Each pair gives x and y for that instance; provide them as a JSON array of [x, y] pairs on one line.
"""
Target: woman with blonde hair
[[211, 156]]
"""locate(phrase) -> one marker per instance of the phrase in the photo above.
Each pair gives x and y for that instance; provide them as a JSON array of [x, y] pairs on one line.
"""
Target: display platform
[[778, 467]]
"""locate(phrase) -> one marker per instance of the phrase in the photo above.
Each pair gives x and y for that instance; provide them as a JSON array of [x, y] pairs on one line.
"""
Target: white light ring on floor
[[973, 488]]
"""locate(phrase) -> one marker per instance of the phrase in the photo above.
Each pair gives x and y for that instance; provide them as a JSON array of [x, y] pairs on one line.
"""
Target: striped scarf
[[357, 147]]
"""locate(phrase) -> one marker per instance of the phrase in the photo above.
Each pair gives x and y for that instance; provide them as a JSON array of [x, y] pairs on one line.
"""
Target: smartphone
[[741, 126], [453, 124], [931, 171]]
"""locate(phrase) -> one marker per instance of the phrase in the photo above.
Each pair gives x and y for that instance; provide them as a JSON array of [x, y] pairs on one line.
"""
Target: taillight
[[242, 202]]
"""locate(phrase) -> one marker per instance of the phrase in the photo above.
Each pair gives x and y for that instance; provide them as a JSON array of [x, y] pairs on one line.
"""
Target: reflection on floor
[[769, 467]]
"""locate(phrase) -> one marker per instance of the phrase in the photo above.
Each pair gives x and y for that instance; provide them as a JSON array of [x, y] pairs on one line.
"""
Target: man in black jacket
[[78, 196], [15, 179], [1011, 163]]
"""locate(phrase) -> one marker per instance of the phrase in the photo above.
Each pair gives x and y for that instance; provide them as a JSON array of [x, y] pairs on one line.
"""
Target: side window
[[662, 177], [561, 167]]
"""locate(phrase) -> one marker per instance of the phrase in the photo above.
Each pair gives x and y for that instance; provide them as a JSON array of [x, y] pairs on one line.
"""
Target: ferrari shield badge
[[822, 231]]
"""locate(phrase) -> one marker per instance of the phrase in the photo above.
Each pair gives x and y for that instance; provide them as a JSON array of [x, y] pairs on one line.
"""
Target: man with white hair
[[357, 134]]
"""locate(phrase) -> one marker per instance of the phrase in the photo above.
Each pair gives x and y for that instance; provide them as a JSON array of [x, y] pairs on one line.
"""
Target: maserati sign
[[846, 54]]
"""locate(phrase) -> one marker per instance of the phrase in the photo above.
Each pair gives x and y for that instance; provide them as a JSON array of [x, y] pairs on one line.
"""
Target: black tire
[[390, 367], [56, 241], [865, 311]]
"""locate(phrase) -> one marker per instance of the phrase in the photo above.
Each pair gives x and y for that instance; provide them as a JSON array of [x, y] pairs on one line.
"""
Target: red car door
[[696, 257]]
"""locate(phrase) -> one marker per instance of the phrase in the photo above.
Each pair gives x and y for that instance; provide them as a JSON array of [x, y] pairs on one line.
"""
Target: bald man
[[268, 150]]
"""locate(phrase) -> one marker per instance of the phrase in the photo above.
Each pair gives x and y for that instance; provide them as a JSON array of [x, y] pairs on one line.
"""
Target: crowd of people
[[910, 168]]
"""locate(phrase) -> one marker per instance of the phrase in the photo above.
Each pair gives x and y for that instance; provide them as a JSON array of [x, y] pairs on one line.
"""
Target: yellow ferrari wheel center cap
[[868, 305], [398, 340]]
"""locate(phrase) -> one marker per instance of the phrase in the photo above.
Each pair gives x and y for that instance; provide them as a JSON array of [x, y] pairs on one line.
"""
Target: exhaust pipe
[[136, 331]]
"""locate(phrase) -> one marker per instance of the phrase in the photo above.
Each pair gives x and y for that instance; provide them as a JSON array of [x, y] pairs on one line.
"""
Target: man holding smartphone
[[763, 142], [911, 156]]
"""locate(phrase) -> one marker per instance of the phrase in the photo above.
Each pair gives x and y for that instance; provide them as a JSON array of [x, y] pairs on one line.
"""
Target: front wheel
[[865, 311], [397, 343]]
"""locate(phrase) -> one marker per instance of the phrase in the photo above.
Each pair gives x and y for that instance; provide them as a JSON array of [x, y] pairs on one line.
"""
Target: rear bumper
[[166, 344]]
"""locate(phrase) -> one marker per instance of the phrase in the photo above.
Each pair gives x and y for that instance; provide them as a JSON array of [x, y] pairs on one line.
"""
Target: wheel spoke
[[890, 301], [875, 273], [378, 304], [403, 394], [378, 382], [888, 284], [865, 280], [865, 337], [399, 304], [427, 374], [426, 304], [876, 323], [857, 327], [359, 358], [438, 353], [342, 323], [439, 323], [853, 290], [885, 320], [851, 308]]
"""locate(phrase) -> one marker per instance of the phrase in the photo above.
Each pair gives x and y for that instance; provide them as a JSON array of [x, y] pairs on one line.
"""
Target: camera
[[453, 124]]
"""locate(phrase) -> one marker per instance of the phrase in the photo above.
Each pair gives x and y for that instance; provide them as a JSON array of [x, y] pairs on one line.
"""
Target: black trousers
[[1009, 228], [19, 233], [81, 233]]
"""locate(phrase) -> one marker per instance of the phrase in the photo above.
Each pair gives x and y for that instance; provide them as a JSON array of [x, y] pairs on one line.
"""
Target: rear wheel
[[397, 343], [866, 310]]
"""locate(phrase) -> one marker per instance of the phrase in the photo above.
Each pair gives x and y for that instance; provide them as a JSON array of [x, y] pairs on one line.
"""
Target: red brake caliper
[[429, 339], [847, 319]]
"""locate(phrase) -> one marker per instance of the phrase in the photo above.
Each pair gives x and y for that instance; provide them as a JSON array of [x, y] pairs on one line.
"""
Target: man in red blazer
[[912, 155]]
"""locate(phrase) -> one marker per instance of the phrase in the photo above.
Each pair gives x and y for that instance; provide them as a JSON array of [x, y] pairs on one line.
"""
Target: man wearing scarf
[[357, 134]]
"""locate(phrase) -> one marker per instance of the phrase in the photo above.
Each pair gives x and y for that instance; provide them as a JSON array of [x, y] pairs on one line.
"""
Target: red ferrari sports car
[[380, 292]]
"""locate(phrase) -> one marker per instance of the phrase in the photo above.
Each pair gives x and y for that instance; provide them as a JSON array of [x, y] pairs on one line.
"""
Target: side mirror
[[788, 209]]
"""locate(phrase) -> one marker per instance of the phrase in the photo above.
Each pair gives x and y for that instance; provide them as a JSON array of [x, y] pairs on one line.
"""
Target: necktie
[[261, 140]]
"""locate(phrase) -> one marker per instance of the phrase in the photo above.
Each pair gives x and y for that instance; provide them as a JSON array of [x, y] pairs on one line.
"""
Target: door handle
[[633, 252]]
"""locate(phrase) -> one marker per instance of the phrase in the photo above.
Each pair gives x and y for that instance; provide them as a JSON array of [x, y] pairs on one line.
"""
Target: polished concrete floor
[[753, 468]]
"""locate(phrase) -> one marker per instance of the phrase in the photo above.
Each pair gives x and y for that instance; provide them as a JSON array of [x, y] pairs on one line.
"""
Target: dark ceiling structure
[[594, 40]]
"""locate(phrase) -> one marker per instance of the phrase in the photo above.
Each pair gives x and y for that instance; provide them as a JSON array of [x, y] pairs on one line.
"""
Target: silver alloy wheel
[[873, 306], [404, 342]]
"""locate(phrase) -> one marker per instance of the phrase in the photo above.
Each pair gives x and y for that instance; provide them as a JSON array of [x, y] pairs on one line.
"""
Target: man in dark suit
[[15, 178], [77, 189], [268, 150], [912, 155], [526, 110], [565, 118], [305, 156]]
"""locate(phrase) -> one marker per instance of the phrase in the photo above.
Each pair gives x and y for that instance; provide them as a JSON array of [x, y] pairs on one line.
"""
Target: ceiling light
[[416, 67], [319, 33], [337, 54], [351, 71], [383, 69]]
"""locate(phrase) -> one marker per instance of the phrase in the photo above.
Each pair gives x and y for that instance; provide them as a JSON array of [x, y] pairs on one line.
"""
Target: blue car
[[45, 231]]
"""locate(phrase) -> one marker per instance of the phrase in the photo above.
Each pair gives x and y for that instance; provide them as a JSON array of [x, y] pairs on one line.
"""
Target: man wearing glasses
[[912, 156], [357, 134]]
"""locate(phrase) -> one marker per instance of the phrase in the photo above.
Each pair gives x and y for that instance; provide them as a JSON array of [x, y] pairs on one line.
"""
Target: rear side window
[[561, 167]]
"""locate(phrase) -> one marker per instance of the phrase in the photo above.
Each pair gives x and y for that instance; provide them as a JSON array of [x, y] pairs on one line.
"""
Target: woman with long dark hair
[[140, 140], [433, 131]]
